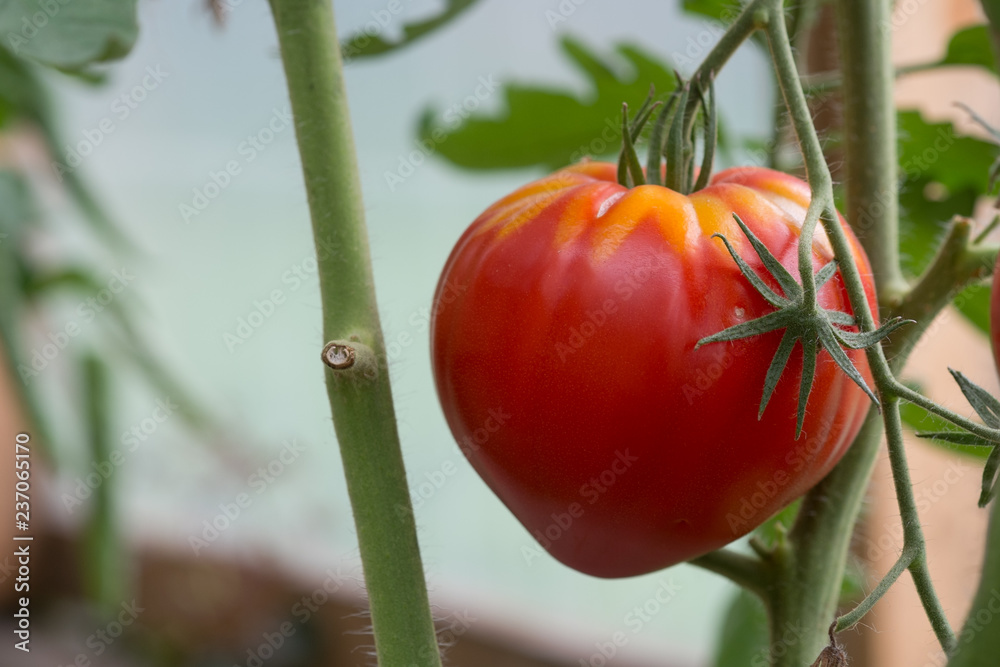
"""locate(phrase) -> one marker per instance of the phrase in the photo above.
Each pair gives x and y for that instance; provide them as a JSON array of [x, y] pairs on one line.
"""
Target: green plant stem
[[958, 262], [749, 572], [870, 139], [749, 21], [825, 82], [817, 174], [902, 391], [980, 641], [362, 405], [870, 93], [914, 552], [805, 573], [103, 578]]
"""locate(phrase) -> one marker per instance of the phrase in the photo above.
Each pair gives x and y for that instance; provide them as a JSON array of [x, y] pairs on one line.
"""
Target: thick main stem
[[870, 138], [808, 583], [362, 404], [980, 639]]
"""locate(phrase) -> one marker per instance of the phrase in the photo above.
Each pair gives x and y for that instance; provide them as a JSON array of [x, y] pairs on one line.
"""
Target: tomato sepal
[[803, 321]]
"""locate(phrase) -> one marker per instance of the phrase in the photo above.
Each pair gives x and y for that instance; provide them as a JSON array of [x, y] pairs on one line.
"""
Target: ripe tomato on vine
[[629, 448]]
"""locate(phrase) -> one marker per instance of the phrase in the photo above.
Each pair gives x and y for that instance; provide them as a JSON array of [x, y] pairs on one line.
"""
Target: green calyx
[[988, 409], [803, 320], [672, 137]]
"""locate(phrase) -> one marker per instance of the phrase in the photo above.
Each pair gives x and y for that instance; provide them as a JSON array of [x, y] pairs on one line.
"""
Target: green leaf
[[17, 205], [720, 10], [744, 634], [945, 174], [69, 34], [974, 303], [772, 531], [933, 151], [971, 46], [542, 126], [365, 45]]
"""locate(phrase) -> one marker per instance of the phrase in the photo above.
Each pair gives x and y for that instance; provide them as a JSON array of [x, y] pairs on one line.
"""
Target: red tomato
[[563, 344]]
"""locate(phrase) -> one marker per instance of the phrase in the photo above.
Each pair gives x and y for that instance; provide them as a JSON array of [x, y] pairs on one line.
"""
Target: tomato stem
[[870, 137], [362, 406]]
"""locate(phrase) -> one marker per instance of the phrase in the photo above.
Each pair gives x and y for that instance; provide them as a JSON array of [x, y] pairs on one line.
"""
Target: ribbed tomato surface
[[563, 347]]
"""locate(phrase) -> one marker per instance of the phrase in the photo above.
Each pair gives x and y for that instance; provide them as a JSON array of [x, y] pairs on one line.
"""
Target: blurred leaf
[[852, 587], [920, 420], [971, 46], [720, 10], [744, 634], [934, 151], [69, 34], [365, 45], [17, 205], [974, 303], [774, 528], [11, 313], [546, 127], [945, 174], [152, 371], [923, 219], [21, 93], [22, 97]]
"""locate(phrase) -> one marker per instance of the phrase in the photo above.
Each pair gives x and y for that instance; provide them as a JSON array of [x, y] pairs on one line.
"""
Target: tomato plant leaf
[[367, 43], [17, 205], [69, 35], [971, 46], [985, 405], [974, 304], [943, 174], [744, 634], [547, 127]]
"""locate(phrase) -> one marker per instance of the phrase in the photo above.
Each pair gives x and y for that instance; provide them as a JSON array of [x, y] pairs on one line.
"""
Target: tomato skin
[[563, 336]]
